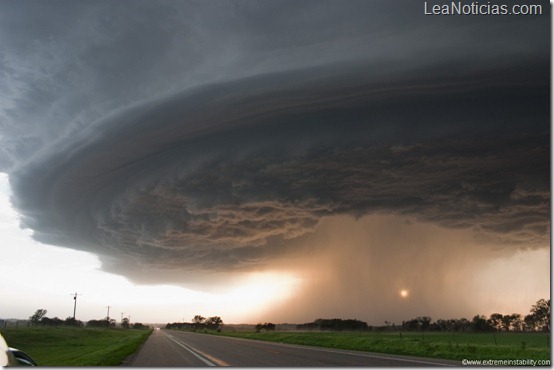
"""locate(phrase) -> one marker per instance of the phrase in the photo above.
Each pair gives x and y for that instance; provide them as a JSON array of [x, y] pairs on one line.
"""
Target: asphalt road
[[176, 348]]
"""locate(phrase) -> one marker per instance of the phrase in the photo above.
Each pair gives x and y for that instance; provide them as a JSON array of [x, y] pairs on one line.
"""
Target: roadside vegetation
[[498, 337], [452, 346], [75, 346], [199, 323]]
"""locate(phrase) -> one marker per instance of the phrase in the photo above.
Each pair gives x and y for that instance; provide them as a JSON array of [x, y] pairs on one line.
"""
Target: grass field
[[453, 346], [65, 346]]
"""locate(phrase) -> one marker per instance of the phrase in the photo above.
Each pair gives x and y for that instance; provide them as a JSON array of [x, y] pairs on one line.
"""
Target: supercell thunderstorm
[[229, 134]]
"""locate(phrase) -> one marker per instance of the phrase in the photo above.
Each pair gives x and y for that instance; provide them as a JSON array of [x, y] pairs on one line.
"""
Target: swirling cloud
[[194, 137]]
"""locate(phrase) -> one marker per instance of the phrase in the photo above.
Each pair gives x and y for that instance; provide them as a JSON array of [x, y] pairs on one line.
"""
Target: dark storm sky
[[181, 139]]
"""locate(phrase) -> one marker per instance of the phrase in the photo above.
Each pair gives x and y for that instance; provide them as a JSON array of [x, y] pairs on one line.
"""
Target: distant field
[[453, 346], [63, 346]]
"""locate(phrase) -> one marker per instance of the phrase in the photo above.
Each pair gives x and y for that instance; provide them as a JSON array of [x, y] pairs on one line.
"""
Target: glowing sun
[[404, 293]]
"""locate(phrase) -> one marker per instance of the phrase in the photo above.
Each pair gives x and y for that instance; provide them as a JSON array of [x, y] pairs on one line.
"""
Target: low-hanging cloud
[[226, 159], [207, 185]]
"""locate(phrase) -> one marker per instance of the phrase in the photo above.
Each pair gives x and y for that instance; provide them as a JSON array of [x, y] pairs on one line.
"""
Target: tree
[[443, 325], [96, 323], [410, 324], [480, 323], [516, 322], [530, 322], [334, 324], [198, 321], [495, 321], [125, 323], [464, 324], [46, 321], [214, 322], [37, 316], [541, 312], [506, 322], [267, 326], [70, 321], [424, 322], [101, 323]]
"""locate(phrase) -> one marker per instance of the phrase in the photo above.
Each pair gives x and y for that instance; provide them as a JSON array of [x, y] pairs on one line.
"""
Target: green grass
[[64, 346], [457, 346]]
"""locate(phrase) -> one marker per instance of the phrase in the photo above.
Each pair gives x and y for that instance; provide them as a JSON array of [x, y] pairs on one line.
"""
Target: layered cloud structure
[[179, 139]]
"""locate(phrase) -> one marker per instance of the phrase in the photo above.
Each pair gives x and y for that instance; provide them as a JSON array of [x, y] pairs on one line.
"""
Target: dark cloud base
[[186, 141], [222, 177]]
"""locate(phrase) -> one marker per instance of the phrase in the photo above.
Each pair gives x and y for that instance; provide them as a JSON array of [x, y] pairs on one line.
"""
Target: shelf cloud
[[182, 140]]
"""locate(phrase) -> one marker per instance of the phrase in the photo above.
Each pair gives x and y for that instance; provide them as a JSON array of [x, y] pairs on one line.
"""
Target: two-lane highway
[[177, 348]]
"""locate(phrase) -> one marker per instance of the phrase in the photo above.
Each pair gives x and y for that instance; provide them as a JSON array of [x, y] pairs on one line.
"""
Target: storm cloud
[[179, 140]]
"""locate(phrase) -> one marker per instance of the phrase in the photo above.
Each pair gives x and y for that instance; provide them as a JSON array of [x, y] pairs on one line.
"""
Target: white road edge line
[[197, 355]]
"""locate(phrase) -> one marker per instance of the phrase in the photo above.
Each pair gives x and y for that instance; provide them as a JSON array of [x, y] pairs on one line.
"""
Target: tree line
[[537, 320], [334, 325], [212, 323], [199, 322], [39, 318], [267, 326]]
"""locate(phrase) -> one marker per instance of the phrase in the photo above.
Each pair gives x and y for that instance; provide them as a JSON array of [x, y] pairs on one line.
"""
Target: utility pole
[[122, 317], [108, 317], [74, 304]]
